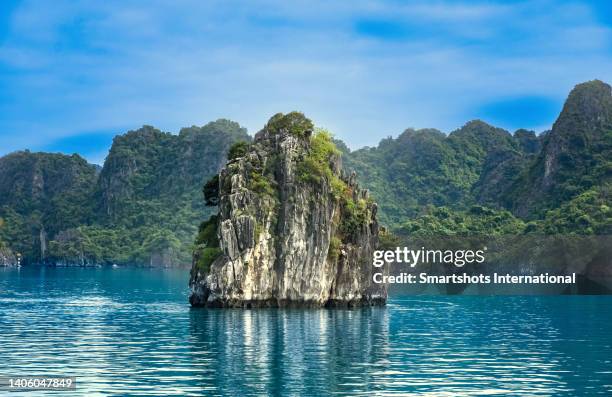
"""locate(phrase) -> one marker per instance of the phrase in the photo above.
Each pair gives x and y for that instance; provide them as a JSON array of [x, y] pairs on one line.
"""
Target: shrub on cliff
[[238, 149], [206, 257], [294, 123], [207, 233], [211, 191], [207, 244], [316, 167], [316, 164]]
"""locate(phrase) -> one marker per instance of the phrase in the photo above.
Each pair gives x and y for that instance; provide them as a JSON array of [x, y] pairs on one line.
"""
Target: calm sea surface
[[131, 332]]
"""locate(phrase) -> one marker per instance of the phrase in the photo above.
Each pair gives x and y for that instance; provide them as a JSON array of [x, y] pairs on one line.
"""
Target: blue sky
[[75, 73]]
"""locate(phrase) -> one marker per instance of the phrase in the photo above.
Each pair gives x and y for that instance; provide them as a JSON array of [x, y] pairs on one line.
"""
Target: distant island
[[143, 207]]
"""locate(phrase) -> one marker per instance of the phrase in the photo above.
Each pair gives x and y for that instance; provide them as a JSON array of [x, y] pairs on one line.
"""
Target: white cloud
[[82, 66]]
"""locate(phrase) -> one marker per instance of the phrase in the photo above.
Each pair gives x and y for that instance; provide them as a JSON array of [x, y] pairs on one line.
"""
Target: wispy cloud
[[365, 69]]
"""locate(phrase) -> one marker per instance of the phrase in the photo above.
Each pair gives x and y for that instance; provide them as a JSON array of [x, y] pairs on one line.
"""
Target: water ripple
[[130, 332]]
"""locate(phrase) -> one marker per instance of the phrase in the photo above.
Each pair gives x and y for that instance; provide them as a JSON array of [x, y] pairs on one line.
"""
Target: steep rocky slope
[[141, 208], [40, 195], [148, 166], [291, 229], [7, 257], [479, 164], [576, 154]]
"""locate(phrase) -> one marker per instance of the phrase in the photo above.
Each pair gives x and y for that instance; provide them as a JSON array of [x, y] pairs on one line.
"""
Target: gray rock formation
[[7, 257], [292, 230]]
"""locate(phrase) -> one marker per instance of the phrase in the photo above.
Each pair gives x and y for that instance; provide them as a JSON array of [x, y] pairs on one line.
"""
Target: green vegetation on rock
[[207, 244], [316, 167], [210, 190], [260, 183], [237, 150], [206, 257], [294, 123], [589, 213]]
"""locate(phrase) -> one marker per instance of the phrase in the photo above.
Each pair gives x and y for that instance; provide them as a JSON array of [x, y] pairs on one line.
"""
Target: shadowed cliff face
[[292, 231], [7, 258], [575, 155]]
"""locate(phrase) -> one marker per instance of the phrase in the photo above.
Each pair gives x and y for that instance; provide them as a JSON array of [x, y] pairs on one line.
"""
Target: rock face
[[575, 154], [7, 258], [292, 230]]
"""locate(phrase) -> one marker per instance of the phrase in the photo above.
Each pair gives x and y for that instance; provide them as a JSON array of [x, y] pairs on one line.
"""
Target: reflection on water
[[290, 351], [130, 331]]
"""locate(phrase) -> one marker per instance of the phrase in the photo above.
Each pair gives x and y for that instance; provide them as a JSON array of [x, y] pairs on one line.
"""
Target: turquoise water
[[131, 332]]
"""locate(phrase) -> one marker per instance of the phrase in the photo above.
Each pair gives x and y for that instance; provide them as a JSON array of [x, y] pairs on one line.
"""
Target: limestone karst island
[[292, 228], [306, 198]]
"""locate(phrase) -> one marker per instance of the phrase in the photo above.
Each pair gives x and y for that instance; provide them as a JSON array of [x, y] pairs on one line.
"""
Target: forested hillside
[[144, 205], [557, 182], [42, 194]]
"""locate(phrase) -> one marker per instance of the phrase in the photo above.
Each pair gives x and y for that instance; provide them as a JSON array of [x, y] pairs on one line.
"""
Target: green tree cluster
[[294, 123], [207, 244]]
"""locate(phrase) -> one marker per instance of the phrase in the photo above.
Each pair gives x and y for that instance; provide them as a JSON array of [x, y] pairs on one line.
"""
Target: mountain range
[[144, 205]]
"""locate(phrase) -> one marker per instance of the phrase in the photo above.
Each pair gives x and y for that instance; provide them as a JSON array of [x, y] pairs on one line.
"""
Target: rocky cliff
[[575, 155], [7, 258], [292, 230], [141, 208]]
